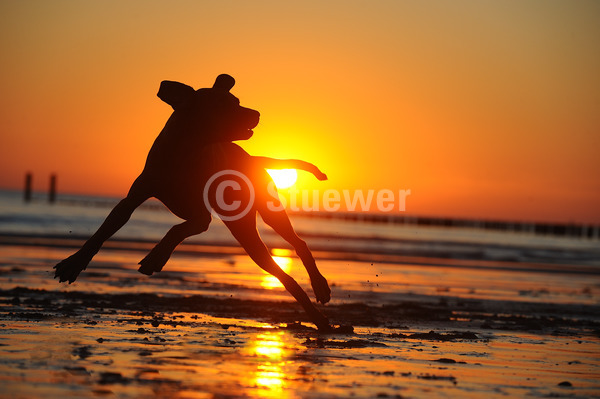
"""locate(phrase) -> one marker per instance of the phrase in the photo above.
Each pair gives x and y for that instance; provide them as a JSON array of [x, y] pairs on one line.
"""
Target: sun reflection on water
[[282, 258], [269, 377]]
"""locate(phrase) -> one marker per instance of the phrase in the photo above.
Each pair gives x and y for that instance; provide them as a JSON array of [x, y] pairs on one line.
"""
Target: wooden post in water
[[27, 192], [52, 191]]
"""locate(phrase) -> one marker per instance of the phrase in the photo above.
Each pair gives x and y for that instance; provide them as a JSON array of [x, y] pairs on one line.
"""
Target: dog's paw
[[154, 261], [321, 288], [145, 268], [69, 268]]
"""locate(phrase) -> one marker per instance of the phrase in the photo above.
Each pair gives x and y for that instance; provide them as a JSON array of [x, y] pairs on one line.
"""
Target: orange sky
[[481, 109]]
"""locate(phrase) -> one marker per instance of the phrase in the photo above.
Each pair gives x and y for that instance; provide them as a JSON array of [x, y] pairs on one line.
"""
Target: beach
[[212, 324]]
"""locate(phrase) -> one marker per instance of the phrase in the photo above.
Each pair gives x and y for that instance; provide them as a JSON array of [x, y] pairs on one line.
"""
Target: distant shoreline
[[589, 231]]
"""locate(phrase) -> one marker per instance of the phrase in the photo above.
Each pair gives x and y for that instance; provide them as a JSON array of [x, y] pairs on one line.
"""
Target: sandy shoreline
[[551, 319], [114, 333]]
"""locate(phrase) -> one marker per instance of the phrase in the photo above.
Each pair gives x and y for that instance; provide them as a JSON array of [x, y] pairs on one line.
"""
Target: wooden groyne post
[[52, 190], [27, 191]]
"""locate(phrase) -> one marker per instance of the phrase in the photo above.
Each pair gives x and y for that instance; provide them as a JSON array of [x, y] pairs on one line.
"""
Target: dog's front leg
[[69, 269]]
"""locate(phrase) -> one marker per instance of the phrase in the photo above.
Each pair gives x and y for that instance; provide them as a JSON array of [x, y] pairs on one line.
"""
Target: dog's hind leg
[[280, 222], [160, 254], [69, 268], [244, 230]]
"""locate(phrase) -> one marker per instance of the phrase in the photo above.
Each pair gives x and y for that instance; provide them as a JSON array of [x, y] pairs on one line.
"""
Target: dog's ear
[[224, 81], [174, 93]]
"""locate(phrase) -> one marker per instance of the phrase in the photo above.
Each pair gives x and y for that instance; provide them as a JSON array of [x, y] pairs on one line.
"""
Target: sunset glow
[[481, 109]]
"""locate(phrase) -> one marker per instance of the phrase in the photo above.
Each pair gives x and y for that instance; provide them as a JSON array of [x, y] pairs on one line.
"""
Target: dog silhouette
[[196, 144]]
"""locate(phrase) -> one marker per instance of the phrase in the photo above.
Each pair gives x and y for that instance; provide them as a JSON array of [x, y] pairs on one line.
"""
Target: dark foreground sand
[[115, 334]]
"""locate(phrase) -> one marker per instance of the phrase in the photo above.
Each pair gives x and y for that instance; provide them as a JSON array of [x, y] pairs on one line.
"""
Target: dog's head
[[222, 113], [214, 113]]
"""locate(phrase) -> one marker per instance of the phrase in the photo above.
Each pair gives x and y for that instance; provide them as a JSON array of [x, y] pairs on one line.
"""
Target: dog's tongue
[[224, 82]]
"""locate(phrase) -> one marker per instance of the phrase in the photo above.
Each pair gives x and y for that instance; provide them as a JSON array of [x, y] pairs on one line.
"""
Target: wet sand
[[213, 325]]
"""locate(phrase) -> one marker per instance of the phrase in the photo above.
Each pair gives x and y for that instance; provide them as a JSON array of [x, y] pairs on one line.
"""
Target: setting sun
[[283, 178]]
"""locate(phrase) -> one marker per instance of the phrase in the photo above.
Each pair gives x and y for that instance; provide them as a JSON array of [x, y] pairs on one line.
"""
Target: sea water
[[78, 216], [364, 261]]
